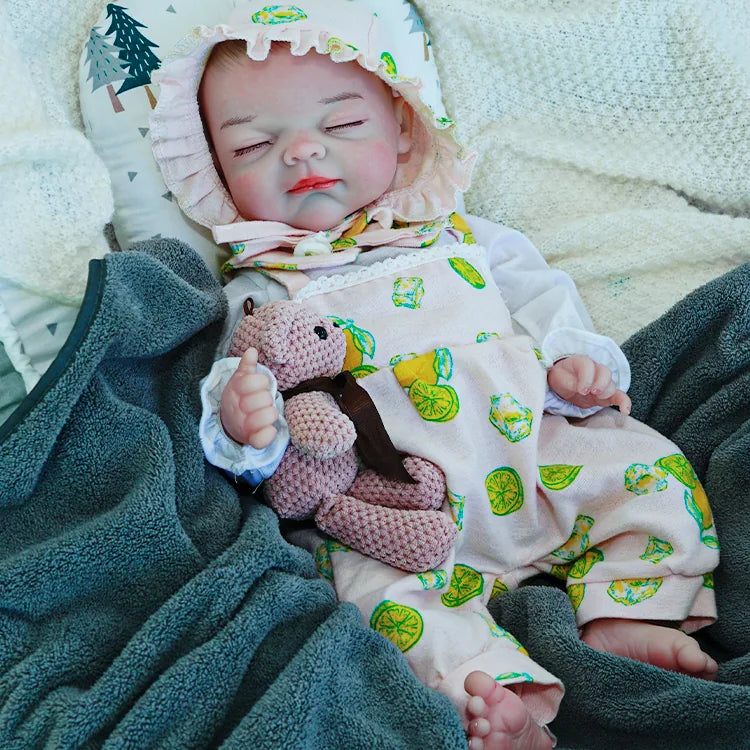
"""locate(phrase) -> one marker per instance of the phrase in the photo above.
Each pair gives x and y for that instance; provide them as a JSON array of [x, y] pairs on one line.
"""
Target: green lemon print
[[498, 589], [515, 676], [467, 272], [343, 242], [400, 624], [575, 594], [697, 505], [633, 590], [466, 583], [583, 564], [642, 479], [359, 344], [656, 550], [578, 541], [679, 467], [560, 571], [323, 562], [708, 580], [504, 490], [390, 64], [510, 418], [408, 292], [558, 476], [433, 579], [273, 14], [457, 503]]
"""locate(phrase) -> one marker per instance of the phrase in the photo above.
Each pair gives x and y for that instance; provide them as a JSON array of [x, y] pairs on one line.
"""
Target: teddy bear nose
[[321, 332]]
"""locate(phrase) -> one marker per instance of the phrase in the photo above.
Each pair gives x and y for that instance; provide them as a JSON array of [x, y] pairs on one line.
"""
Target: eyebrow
[[236, 120], [242, 120], [343, 96]]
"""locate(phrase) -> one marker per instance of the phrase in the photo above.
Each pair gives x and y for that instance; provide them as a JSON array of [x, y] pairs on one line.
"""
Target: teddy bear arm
[[317, 427]]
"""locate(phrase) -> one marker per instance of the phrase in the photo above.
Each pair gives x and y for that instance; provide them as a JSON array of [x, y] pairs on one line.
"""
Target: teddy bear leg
[[412, 540], [427, 493]]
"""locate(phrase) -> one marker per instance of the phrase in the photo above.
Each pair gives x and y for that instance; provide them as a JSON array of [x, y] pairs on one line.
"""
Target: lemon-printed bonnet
[[425, 185]]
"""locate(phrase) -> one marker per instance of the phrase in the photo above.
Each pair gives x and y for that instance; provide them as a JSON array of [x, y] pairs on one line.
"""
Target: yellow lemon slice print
[[584, 564], [679, 467], [498, 589], [504, 490], [390, 64], [434, 403], [558, 476], [467, 272], [708, 580], [323, 562], [656, 550], [408, 369], [401, 625], [575, 594], [697, 504], [466, 583], [560, 571], [633, 590]]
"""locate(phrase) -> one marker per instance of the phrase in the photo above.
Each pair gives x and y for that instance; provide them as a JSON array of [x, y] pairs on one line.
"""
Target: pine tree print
[[135, 52], [104, 67], [417, 26]]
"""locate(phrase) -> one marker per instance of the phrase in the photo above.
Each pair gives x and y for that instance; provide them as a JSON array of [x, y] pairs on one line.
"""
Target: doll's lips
[[308, 184]]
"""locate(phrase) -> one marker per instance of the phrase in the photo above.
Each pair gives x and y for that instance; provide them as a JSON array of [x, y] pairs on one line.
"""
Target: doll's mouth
[[309, 184]]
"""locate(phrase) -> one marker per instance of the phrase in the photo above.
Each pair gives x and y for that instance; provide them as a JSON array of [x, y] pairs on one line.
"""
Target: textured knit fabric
[[614, 135], [55, 191], [143, 602]]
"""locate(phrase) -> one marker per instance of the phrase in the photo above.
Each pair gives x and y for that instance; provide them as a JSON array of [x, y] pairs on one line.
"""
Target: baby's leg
[[659, 645], [498, 718]]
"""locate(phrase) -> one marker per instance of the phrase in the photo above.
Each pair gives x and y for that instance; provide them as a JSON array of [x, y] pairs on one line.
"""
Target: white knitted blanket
[[55, 196], [615, 134]]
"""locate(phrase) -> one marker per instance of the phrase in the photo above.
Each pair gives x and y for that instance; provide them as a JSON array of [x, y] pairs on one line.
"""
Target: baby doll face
[[302, 140]]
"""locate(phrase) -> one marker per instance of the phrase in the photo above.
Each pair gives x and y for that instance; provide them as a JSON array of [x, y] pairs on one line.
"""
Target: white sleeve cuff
[[253, 464], [564, 342]]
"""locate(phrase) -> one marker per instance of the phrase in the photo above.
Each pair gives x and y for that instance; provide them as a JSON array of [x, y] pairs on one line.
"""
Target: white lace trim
[[385, 267]]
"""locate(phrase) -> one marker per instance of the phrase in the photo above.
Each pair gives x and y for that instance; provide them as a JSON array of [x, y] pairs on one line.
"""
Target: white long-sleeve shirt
[[543, 302]]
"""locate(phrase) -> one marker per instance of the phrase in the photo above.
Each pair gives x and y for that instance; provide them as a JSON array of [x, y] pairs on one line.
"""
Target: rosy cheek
[[247, 193]]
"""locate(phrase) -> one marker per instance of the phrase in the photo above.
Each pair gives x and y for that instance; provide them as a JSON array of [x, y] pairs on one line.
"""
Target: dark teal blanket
[[143, 602], [691, 381]]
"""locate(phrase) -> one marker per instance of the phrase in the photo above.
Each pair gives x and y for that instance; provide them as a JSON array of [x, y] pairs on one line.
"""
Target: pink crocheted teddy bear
[[396, 521]]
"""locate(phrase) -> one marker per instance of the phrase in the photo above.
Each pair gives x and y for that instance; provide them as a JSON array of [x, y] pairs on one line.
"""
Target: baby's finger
[[621, 400], [584, 369], [263, 438], [251, 383], [249, 360], [602, 382], [254, 401], [261, 418]]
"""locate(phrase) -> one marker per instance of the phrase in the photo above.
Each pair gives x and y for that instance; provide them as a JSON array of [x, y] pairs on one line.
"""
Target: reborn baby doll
[[307, 146]]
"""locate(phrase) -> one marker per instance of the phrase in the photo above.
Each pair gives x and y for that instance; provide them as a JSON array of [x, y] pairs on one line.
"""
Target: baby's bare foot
[[661, 646], [498, 718]]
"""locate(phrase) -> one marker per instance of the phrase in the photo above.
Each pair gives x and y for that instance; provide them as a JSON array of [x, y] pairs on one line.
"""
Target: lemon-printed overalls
[[605, 504]]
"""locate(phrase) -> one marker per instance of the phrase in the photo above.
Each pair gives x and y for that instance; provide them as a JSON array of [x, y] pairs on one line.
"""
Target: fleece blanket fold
[[691, 381], [143, 602]]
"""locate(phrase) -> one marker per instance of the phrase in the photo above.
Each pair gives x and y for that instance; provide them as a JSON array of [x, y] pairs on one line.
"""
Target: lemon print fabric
[[697, 505], [433, 579], [360, 344], [581, 567], [514, 676], [504, 490], [498, 589], [558, 476], [401, 625], [273, 14], [462, 228], [642, 479], [510, 417], [578, 541], [656, 550], [323, 562], [390, 64], [420, 376], [632, 591], [467, 272], [457, 504], [466, 583], [408, 291], [576, 592], [679, 467]]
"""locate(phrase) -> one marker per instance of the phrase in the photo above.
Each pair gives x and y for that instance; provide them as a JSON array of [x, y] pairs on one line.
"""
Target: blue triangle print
[[52, 327], [171, 9], [132, 175], [143, 132], [168, 196]]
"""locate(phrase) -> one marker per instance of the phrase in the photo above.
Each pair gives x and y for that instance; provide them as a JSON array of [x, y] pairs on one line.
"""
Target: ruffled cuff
[[252, 464], [564, 342]]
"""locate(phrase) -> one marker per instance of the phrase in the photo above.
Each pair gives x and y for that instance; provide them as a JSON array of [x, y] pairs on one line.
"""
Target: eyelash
[[250, 149]]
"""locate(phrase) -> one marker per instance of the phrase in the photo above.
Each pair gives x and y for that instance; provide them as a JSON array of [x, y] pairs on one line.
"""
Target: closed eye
[[251, 149], [345, 125]]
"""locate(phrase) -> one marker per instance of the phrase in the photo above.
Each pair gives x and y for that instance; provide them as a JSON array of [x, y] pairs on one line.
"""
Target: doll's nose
[[303, 147]]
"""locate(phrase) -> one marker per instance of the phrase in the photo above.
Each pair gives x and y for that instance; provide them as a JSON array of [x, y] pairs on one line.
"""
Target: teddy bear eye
[[321, 332]]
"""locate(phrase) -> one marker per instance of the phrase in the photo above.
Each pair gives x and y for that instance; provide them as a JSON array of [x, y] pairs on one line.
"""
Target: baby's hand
[[247, 411], [585, 383]]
